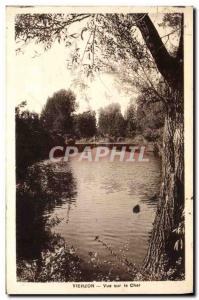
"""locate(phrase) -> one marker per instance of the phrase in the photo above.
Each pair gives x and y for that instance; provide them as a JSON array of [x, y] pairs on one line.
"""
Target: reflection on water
[[46, 186], [89, 199]]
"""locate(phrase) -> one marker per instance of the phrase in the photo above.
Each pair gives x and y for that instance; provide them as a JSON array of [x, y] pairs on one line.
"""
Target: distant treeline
[[58, 121]]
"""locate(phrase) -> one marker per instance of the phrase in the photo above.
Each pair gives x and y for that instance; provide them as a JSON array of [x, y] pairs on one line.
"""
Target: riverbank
[[60, 263]]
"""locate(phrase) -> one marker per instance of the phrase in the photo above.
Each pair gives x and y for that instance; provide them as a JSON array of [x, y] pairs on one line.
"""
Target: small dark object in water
[[136, 209]]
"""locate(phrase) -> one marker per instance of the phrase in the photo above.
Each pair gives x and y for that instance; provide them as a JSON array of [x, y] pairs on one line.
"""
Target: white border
[[41, 2]]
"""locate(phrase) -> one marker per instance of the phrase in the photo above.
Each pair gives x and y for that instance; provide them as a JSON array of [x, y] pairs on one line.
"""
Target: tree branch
[[169, 66], [180, 53]]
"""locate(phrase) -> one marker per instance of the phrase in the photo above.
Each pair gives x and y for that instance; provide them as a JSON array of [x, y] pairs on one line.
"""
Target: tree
[[144, 60], [85, 124], [130, 119], [57, 114], [32, 141], [151, 113], [171, 202], [111, 121]]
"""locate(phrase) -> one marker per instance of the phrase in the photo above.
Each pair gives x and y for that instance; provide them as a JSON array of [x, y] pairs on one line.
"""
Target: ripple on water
[[97, 199], [106, 195]]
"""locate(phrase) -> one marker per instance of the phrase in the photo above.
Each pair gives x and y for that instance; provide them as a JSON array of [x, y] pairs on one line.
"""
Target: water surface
[[93, 202]]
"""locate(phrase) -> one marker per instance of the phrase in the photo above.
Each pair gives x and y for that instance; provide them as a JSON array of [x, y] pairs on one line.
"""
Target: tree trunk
[[161, 253]]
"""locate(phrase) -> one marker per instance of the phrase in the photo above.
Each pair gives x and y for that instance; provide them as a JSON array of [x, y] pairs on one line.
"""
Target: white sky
[[38, 77]]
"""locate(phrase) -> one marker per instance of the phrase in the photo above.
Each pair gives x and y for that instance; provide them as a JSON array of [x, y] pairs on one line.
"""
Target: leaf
[[74, 35], [181, 244], [47, 261], [83, 30], [176, 246], [68, 44], [27, 265]]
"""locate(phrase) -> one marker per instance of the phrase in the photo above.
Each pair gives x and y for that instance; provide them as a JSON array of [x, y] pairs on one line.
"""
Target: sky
[[37, 77]]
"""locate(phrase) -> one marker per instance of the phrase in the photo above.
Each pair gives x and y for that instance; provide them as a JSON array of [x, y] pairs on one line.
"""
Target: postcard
[[99, 157]]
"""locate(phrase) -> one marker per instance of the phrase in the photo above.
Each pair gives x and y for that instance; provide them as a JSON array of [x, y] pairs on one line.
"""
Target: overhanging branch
[[169, 66]]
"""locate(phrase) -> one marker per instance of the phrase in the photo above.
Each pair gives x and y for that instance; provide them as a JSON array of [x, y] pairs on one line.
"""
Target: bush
[[58, 263], [32, 140], [151, 134]]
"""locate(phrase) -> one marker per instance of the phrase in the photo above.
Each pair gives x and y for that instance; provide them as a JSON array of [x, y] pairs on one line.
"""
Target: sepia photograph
[[99, 150]]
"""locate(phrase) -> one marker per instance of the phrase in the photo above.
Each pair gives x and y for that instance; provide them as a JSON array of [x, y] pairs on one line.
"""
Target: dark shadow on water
[[49, 190], [45, 187]]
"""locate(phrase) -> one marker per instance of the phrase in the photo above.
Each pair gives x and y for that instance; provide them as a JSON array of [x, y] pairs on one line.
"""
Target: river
[[93, 204]]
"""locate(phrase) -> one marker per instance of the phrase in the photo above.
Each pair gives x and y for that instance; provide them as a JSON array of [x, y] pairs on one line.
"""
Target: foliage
[[58, 263], [151, 135], [151, 112], [32, 140], [172, 20], [164, 273], [46, 28], [131, 122], [43, 187], [110, 42], [85, 124], [111, 121], [57, 114]]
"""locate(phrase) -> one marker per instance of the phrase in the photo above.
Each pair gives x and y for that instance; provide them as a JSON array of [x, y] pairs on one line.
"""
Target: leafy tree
[[132, 41], [111, 121], [57, 114], [151, 112], [32, 141], [85, 124], [131, 122]]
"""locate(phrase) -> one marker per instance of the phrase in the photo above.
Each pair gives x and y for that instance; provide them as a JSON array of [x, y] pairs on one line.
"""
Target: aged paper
[[99, 189]]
